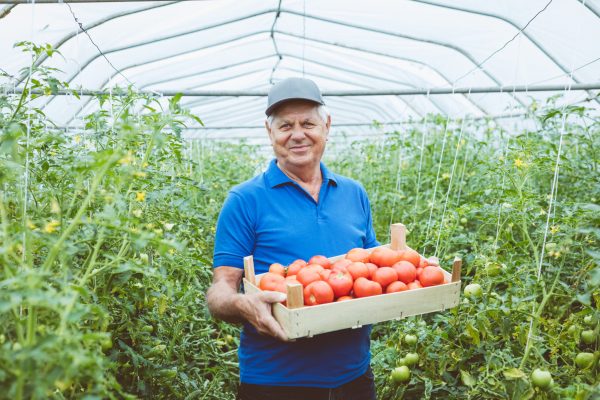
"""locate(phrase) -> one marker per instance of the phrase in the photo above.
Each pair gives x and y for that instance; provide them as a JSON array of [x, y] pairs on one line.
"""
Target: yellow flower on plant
[[128, 159], [554, 229], [77, 139], [51, 226], [519, 163], [140, 196], [31, 225], [140, 174], [445, 175]]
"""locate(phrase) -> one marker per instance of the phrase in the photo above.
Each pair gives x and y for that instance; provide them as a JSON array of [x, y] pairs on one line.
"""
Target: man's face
[[298, 134]]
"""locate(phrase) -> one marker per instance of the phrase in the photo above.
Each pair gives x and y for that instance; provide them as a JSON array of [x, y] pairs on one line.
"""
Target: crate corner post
[[249, 269], [398, 236]]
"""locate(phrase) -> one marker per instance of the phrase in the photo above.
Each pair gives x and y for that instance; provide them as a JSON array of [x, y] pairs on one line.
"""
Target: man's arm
[[225, 303]]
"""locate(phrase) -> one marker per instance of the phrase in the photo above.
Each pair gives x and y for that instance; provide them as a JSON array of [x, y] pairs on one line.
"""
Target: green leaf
[[513, 373]]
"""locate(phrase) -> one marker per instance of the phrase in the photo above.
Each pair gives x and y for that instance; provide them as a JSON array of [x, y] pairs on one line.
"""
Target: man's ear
[[268, 128]]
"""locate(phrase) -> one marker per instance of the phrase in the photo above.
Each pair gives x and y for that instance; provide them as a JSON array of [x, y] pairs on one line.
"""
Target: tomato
[[321, 260], [281, 287], [590, 320], [307, 276], [411, 359], [422, 262], [541, 379], [419, 270], [584, 360], [372, 268], [358, 254], [401, 374], [406, 272], [344, 298], [410, 340], [277, 268], [411, 256], [341, 282], [384, 276], [384, 257], [396, 286], [357, 270], [269, 281], [341, 264], [431, 276], [291, 279], [473, 290], [318, 292], [364, 287], [324, 274], [414, 285], [588, 336], [294, 267]]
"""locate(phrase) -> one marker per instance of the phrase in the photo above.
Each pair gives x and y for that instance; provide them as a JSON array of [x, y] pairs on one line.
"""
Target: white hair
[[321, 110]]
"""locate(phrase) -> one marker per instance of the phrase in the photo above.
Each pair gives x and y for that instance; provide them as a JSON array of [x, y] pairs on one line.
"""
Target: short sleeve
[[235, 234], [370, 240]]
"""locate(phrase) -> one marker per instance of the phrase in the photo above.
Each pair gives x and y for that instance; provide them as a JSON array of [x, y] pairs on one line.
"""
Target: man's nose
[[298, 132]]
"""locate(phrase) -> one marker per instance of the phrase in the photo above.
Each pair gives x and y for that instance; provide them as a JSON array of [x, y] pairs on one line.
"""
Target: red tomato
[[422, 262], [341, 264], [277, 268], [344, 298], [341, 282], [318, 292], [294, 267], [406, 271], [269, 281], [411, 256], [321, 260], [358, 269], [358, 254], [414, 285], [364, 288], [372, 268], [384, 276], [419, 270], [307, 275], [291, 279], [324, 274], [396, 286], [384, 257], [431, 276]]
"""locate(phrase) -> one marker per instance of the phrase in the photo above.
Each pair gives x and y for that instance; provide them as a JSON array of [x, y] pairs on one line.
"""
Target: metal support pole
[[341, 93]]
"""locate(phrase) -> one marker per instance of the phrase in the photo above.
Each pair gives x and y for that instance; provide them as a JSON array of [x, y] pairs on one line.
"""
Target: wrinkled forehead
[[296, 110]]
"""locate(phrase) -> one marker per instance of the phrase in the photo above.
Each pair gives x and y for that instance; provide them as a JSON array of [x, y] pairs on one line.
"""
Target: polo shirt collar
[[276, 177]]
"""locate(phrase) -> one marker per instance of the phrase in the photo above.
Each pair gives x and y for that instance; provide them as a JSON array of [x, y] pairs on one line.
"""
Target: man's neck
[[305, 176]]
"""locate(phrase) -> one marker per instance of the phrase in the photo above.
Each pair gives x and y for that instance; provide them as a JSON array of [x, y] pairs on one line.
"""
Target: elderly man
[[297, 208]]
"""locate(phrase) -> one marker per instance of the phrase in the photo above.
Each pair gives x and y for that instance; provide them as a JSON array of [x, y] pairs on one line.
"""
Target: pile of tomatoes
[[361, 273]]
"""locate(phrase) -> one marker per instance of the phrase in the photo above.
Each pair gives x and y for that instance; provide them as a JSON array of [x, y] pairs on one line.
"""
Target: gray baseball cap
[[293, 89]]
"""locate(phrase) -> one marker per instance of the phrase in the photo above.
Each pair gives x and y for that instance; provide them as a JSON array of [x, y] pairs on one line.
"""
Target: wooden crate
[[299, 321]]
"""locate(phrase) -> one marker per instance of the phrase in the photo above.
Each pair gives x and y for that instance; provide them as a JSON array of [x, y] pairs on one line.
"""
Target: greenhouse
[[348, 200]]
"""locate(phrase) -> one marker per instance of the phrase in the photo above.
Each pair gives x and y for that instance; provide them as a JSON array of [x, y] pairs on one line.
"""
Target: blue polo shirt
[[274, 219]]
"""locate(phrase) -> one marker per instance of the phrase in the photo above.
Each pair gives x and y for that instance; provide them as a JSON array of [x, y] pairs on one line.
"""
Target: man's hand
[[256, 309], [224, 302]]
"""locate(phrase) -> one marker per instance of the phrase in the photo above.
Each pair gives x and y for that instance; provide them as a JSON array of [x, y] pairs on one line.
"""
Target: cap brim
[[273, 106]]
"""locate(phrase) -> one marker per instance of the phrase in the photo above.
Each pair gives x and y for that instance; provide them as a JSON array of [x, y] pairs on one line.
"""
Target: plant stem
[[538, 314], [77, 218]]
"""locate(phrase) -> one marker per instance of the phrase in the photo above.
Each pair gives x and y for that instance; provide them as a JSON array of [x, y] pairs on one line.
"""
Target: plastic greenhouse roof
[[374, 50]]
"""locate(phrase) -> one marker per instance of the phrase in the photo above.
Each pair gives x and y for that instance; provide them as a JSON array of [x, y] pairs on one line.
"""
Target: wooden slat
[[295, 295], [398, 237], [249, 269], [456, 269]]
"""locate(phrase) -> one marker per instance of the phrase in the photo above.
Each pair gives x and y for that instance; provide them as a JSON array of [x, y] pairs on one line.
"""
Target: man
[[296, 209]]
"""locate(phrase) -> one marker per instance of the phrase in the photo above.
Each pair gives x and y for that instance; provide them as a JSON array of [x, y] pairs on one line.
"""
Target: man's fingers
[[272, 297], [273, 328]]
